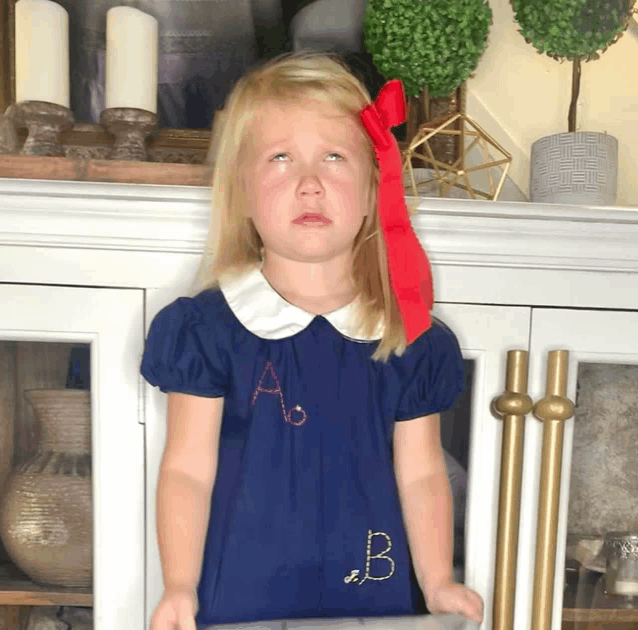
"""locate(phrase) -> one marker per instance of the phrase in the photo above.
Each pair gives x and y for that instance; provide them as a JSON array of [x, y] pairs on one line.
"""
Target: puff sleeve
[[434, 375], [182, 353]]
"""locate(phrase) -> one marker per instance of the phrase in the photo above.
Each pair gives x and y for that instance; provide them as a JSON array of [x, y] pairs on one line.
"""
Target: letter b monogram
[[353, 577]]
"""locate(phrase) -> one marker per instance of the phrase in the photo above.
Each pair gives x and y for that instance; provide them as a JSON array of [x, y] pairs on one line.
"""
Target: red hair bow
[[408, 265]]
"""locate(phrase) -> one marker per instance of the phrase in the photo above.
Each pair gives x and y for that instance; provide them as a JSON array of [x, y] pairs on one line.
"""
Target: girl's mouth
[[309, 217]]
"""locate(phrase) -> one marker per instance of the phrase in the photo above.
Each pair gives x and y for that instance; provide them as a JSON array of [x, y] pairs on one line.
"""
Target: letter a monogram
[[277, 390]]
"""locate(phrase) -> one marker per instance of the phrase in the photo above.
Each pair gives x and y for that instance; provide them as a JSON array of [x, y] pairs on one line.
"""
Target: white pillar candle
[[42, 52], [626, 587], [131, 59]]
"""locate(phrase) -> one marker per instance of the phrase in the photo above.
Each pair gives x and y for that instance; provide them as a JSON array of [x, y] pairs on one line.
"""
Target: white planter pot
[[577, 167]]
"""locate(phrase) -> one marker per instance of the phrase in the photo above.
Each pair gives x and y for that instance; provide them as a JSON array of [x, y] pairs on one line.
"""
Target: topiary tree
[[574, 30], [433, 44]]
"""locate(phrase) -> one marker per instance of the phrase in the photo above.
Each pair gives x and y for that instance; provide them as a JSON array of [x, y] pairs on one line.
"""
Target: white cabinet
[[111, 321], [95, 262], [484, 334], [592, 338], [596, 494]]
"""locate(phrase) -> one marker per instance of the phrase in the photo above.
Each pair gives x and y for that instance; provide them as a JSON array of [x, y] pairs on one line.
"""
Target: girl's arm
[[186, 477], [426, 500]]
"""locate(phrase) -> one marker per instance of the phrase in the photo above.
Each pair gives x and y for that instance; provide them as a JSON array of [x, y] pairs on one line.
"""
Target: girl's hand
[[452, 597], [176, 611]]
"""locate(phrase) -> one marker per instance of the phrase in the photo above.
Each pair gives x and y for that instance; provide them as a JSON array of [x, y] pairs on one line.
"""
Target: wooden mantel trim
[[90, 170], [82, 169]]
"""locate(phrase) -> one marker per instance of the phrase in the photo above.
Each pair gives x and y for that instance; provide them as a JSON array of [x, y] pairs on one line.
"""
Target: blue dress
[[305, 514]]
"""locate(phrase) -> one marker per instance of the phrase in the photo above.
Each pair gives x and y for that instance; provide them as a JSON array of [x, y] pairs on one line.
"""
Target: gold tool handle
[[512, 405], [552, 410]]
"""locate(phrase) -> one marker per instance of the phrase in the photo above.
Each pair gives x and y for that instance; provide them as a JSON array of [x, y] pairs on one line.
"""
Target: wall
[[518, 96]]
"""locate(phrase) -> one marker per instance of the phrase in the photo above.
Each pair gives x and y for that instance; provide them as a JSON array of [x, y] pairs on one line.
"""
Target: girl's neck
[[316, 287]]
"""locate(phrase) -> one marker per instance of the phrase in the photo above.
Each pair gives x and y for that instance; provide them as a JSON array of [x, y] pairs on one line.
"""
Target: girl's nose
[[310, 185]]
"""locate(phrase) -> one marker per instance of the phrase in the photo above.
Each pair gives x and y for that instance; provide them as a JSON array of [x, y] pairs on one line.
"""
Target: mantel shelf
[[84, 169], [117, 234], [16, 589], [89, 170], [621, 615], [602, 608]]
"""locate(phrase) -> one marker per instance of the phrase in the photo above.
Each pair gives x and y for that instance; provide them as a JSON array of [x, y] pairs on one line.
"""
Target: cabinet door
[[599, 470], [485, 334], [111, 321]]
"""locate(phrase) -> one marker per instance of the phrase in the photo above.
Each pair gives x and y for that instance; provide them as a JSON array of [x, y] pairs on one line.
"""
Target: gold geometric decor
[[474, 142]]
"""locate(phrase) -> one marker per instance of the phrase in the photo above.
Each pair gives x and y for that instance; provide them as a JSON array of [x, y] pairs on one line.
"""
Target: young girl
[[303, 474]]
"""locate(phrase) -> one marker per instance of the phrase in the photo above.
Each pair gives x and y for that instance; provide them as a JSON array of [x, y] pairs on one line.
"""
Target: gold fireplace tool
[[552, 410]]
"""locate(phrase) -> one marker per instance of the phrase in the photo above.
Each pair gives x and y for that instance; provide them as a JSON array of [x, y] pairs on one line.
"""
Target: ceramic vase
[[7, 410], [574, 167], [6, 441], [46, 511]]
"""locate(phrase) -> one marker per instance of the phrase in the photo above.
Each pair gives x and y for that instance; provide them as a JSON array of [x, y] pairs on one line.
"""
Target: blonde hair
[[234, 245]]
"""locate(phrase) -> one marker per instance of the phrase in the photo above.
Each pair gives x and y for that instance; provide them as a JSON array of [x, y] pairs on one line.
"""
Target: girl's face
[[307, 158]]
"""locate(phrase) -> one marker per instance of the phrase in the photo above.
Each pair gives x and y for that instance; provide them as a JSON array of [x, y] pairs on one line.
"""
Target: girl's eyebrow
[[328, 145]]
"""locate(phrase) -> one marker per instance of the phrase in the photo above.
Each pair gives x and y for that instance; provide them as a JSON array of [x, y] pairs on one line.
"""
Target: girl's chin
[[316, 254]]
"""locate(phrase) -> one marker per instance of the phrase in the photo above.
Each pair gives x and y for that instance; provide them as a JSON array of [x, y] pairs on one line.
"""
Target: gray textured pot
[[579, 167]]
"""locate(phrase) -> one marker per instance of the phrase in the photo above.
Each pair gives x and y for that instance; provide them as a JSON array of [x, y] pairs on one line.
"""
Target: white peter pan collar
[[268, 315]]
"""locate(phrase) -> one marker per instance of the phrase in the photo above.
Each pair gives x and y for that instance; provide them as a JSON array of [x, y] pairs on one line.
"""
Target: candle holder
[[8, 135], [621, 550], [45, 122], [131, 127]]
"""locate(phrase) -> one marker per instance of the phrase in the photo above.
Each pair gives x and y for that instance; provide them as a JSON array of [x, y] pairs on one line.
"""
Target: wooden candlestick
[[45, 122], [8, 135], [131, 127]]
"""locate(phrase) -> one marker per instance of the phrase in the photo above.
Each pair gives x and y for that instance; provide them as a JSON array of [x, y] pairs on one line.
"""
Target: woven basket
[[579, 167]]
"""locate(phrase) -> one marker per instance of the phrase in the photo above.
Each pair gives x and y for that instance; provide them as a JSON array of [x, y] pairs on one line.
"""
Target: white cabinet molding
[[103, 216], [459, 232]]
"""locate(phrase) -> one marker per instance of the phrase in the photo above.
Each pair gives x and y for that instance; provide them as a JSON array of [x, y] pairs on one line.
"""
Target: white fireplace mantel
[[175, 219], [141, 236]]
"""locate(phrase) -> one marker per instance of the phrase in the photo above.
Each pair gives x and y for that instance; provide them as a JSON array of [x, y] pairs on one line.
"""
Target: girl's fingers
[[474, 607], [186, 619], [478, 602]]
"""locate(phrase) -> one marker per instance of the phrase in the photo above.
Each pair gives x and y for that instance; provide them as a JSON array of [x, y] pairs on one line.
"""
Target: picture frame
[[7, 54], [87, 143], [91, 141]]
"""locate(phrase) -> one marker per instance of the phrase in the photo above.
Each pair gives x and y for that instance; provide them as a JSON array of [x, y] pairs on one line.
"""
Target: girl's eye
[[332, 157]]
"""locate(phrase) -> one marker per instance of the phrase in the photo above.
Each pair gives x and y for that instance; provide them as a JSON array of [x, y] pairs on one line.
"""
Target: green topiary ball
[[570, 29], [427, 43]]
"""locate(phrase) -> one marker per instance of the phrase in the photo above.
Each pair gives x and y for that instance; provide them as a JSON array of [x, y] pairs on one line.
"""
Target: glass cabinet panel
[[596, 583], [455, 440], [603, 495], [72, 454], [46, 512]]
